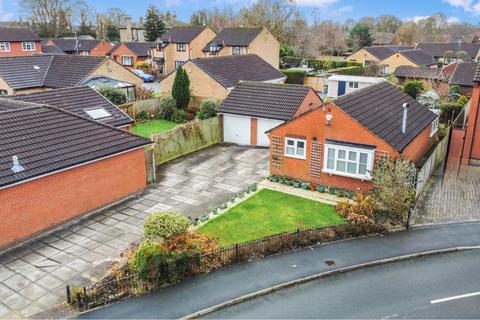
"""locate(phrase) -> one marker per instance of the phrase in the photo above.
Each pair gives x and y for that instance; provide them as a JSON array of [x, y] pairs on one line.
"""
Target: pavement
[[33, 277], [407, 289], [452, 198], [229, 283]]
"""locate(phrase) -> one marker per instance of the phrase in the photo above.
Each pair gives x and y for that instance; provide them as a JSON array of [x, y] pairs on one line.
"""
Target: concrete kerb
[[303, 280]]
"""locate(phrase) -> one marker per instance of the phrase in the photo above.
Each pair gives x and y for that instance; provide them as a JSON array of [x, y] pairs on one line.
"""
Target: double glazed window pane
[[300, 148], [347, 161], [331, 159], [341, 163], [362, 166], [290, 150]]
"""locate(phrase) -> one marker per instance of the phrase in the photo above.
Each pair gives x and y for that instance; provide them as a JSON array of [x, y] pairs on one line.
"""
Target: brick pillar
[[253, 131]]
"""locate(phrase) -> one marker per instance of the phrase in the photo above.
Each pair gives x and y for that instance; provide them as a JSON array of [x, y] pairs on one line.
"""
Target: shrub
[[115, 96], [181, 88], [454, 90], [449, 110], [143, 93], [351, 71], [208, 109], [179, 115], [294, 76], [148, 256], [413, 88], [286, 51], [462, 100], [167, 107], [362, 210], [165, 225]]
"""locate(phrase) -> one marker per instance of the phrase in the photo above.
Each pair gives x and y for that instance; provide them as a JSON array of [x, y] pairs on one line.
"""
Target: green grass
[[148, 128], [266, 213]]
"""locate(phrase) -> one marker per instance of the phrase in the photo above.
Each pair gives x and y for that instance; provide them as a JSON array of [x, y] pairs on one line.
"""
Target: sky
[[339, 10]]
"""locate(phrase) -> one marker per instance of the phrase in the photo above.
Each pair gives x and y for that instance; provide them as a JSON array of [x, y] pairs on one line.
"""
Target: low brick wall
[[186, 138]]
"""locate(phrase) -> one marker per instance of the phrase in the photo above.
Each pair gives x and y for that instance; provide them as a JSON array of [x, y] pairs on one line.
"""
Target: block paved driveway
[[33, 277], [455, 198]]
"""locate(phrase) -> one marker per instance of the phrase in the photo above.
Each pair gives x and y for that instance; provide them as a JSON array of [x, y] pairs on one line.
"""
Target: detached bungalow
[[438, 49], [45, 72], [413, 58], [372, 55], [131, 54], [339, 85], [337, 145], [83, 101], [56, 166], [252, 108], [84, 47], [215, 77], [18, 42], [404, 73], [463, 77], [242, 40]]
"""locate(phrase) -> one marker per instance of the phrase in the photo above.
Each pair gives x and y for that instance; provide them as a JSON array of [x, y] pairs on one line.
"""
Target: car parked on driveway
[[145, 76]]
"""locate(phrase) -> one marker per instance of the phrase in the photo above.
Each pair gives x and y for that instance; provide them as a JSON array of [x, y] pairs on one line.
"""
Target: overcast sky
[[455, 10]]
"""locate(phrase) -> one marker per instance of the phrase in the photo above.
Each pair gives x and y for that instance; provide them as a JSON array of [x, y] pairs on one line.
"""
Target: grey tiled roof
[[229, 70], [438, 49], [464, 73], [140, 49], [47, 139], [418, 57], [51, 49], [53, 71], [379, 109], [17, 34], [410, 72], [69, 45], [382, 52], [239, 36], [182, 34], [265, 100], [76, 100]]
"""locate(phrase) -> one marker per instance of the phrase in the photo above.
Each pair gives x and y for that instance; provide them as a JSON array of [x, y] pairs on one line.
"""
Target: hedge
[[351, 71], [294, 76], [330, 64]]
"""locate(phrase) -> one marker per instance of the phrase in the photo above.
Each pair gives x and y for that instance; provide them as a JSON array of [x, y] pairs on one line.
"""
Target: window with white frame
[[354, 162], [127, 60], [179, 63], [28, 46], [353, 85], [434, 127], [295, 148], [238, 50], [181, 47], [5, 47]]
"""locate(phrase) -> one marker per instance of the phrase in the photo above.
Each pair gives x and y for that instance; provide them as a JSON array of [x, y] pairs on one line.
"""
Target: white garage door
[[265, 125], [236, 129]]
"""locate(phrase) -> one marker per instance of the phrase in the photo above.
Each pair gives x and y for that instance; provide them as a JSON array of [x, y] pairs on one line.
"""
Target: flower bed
[[307, 186]]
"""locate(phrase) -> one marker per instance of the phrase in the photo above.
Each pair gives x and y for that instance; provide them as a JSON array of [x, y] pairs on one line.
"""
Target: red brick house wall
[[16, 50], [312, 127], [32, 207], [101, 49], [122, 50]]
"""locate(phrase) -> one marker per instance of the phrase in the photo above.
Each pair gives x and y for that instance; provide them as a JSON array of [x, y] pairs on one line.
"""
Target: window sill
[[348, 175], [295, 157]]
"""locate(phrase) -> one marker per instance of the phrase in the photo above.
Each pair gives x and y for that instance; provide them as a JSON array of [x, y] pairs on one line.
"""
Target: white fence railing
[[437, 157]]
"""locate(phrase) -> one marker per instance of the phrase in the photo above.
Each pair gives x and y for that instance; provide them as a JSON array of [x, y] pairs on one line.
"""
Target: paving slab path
[[33, 277], [229, 283]]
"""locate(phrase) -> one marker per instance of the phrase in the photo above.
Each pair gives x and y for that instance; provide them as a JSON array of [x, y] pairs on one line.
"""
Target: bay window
[[295, 148], [348, 160]]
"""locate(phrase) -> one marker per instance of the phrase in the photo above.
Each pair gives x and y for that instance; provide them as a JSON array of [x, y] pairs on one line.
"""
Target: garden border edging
[[306, 279]]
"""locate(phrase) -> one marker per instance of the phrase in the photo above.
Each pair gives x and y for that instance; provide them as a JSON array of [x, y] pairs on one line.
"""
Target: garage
[[253, 108]]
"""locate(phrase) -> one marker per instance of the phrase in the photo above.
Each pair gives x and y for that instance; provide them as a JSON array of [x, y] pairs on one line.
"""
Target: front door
[[341, 88]]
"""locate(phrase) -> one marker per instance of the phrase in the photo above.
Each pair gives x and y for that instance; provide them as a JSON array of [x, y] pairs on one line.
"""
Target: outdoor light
[[329, 118]]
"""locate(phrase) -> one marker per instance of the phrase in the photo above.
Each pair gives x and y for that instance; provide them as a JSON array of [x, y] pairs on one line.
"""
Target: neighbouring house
[[98, 82], [242, 40], [253, 108], [383, 38], [339, 85], [179, 45], [338, 144], [45, 72], [83, 101], [131, 54], [18, 42], [438, 49], [372, 55], [404, 73], [463, 77], [56, 166], [84, 47], [413, 58], [131, 31], [215, 77]]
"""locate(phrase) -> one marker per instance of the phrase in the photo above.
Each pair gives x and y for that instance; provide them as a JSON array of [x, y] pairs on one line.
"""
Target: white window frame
[[369, 165], [434, 126], [127, 57], [5, 46], [179, 63], [295, 147], [353, 85], [181, 47], [28, 46], [239, 52]]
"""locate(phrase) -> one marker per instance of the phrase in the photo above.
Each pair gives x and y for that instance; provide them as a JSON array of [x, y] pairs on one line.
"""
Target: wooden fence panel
[[150, 164]]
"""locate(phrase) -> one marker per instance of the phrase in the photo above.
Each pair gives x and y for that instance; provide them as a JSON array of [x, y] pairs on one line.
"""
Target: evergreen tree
[[360, 36], [154, 26], [181, 88]]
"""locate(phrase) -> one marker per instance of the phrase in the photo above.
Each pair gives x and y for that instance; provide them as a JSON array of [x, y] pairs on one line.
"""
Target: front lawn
[[151, 127], [266, 213]]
